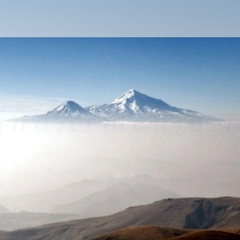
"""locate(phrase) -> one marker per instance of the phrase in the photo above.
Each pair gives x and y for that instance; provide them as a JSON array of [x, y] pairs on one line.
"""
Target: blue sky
[[196, 73], [119, 18]]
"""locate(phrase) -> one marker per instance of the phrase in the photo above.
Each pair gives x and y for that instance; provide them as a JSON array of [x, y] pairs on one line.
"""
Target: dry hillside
[[183, 213]]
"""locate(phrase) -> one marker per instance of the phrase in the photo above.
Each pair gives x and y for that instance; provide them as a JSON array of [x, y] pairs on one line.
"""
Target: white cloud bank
[[193, 160]]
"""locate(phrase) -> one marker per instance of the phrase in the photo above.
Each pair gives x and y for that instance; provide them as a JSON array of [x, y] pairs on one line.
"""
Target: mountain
[[44, 201], [3, 210], [183, 213], [131, 106], [144, 233], [69, 111], [136, 106], [161, 233], [12, 221], [86, 197], [114, 199]]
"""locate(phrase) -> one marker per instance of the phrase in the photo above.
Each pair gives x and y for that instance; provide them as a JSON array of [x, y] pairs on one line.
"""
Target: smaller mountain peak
[[67, 107], [71, 103]]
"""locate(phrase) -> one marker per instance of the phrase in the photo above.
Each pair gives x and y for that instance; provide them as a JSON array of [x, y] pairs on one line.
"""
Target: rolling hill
[[184, 213], [161, 233], [11, 221]]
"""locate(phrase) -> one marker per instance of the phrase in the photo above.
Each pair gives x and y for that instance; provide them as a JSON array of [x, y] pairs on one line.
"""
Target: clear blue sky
[[202, 74], [119, 17]]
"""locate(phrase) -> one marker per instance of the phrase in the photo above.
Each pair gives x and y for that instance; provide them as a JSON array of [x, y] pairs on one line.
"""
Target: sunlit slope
[[161, 233]]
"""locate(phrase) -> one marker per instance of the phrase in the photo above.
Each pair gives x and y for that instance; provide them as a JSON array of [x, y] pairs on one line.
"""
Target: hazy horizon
[[191, 159]]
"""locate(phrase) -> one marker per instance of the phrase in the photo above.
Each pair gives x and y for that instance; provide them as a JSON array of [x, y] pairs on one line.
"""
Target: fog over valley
[[185, 159]]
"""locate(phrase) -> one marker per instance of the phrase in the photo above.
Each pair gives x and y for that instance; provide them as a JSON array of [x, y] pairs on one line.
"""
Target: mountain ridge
[[115, 198], [219, 213], [136, 106], [11, 221], [4, 210], [132, 106]]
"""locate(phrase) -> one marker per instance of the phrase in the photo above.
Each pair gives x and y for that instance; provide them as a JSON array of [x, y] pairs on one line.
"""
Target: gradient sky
[[196, 73], [119, 18]]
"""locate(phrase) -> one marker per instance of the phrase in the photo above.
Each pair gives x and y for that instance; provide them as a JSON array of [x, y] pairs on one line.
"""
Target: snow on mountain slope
[[131, 106], [68, 111], [136, 106]]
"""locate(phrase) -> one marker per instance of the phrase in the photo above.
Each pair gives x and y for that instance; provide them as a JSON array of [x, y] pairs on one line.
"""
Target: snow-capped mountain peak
[[135, 101], [69, 111], [130, 93], [68, 108], [127, 95], [132, 102], [136, 106]]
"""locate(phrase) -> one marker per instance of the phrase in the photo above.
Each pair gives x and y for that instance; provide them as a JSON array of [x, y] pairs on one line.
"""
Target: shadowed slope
[[209, 235]]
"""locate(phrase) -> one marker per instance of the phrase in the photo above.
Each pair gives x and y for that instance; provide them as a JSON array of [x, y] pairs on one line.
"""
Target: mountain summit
[[136, 106], [137, 102]]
